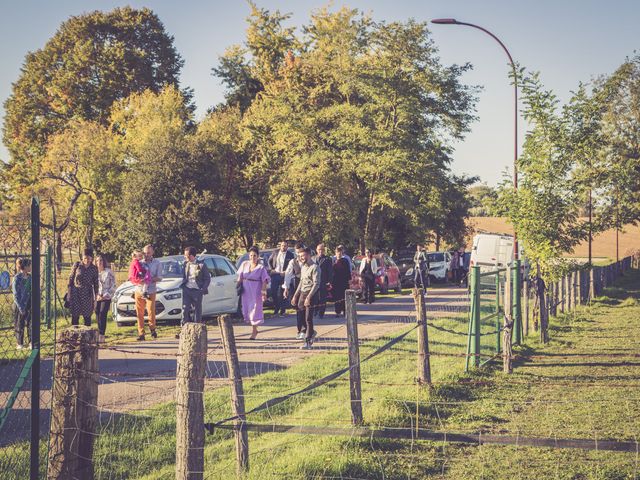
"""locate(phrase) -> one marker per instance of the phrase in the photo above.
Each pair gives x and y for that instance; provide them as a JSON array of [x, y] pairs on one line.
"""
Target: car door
[[393, 272], [211, 301], [226, 284]]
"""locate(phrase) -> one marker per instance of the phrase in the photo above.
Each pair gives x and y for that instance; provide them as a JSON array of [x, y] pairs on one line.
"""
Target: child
[[139, 273], [21, 289]]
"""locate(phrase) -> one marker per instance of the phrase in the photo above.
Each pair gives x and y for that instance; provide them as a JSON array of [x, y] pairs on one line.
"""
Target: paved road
[[136, 375]]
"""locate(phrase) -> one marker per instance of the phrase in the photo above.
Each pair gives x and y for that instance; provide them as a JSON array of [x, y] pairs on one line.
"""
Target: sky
[[567, 41]]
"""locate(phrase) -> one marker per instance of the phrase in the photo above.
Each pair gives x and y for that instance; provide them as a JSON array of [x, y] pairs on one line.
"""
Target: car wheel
[[385, 286]]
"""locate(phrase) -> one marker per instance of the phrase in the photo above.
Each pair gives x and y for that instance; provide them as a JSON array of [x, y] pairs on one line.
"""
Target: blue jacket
[[21, 288]]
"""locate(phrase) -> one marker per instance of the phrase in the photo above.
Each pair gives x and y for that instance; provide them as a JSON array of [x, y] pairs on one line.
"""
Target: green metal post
[[48, 287], [517, 308], [474, 318], [498, 319]]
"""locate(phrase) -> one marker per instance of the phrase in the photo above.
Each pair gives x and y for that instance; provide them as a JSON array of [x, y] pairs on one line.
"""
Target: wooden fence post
[[579, 287], [355, 389], [563, 293], [592, 284], [424, 361], [74, 411], [237, 393], [192, 367]]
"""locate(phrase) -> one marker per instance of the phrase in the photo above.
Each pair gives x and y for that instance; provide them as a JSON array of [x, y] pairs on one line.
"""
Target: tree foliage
[[92, 61]]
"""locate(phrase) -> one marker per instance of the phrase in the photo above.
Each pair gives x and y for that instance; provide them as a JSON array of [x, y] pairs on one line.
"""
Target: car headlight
[[172, 295], [409, 272]]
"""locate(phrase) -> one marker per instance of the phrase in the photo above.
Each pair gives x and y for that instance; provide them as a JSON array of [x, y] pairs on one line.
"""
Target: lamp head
[[445, 21]]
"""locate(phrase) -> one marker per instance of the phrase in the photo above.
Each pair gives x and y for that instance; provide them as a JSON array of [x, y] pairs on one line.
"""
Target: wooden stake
[[507, 353], [192, 365], [354, 357], [74, 411], [424, 362], [237, 394]]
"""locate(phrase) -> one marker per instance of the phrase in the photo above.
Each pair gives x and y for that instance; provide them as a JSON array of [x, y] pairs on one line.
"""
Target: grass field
[[583, 384], [604, 244]]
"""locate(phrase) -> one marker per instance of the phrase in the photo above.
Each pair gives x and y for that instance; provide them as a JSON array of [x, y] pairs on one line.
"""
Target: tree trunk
[[90, 223]]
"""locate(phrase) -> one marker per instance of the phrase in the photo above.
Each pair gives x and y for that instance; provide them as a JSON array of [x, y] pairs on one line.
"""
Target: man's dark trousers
[[279, 305], [191, 301]]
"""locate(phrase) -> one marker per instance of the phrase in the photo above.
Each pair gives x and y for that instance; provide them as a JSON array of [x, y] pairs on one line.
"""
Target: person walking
[[254, 279], [145, 293], [195, 284], [21, 289], [340, 280], [325, 266], [420, 268], [291, 282], [106, 290], [278, 263], [305, 297], [454, 266], [83, 288], [368, 271], [462, 272]]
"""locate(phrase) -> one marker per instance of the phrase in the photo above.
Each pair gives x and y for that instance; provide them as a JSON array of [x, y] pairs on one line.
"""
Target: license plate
[[130, 307]]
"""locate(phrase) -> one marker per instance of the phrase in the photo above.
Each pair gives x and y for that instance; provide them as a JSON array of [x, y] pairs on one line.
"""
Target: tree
[[81, 175], [349, 135], [544, 210], [92, 61], [482, 198], [620, 177]]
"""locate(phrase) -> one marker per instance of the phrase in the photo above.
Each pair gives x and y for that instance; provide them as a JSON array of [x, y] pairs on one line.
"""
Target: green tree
[[349, 136], [482, 199], [544, 210], [92, 61]]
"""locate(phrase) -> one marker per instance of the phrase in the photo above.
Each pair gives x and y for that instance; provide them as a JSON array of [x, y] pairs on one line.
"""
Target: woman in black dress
[[340, 281], [83, 287]]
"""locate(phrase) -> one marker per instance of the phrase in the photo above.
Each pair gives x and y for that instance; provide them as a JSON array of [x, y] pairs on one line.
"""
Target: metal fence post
[[474, 319], [34, 470], [47, 286], [515, 299]]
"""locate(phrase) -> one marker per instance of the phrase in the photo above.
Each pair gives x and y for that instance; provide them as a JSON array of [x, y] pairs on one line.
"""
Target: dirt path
[[134, 376]]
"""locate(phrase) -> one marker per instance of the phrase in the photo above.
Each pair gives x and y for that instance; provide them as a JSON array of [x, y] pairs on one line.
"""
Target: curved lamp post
[[453, 21]]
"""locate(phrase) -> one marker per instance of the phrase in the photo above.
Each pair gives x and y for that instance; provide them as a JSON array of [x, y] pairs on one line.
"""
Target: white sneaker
[[306, 346], [300, 335], [19, 347]]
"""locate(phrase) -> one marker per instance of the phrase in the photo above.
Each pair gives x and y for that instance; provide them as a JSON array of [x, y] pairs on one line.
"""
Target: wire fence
[[297, 403]]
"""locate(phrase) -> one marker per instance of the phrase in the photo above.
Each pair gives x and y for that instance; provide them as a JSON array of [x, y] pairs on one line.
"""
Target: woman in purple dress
[[254, 279]]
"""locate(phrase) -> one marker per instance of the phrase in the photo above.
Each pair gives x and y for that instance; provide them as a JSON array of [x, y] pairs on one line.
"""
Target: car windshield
[[435, 257], [171, 269]]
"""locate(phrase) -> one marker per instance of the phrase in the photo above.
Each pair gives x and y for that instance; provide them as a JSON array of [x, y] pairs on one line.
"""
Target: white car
[[439, 263], [222, 296]]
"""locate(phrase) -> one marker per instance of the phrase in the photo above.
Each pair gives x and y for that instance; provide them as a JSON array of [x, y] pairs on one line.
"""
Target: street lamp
[[453, 21]]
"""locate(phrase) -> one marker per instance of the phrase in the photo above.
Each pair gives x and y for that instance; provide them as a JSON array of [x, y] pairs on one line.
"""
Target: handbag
[[66, 303]]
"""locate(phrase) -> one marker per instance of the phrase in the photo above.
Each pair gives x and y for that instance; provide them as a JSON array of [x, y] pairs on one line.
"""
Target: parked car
[[439, 265], [404, 261], [387, 276], [491, 251], [222, 296]]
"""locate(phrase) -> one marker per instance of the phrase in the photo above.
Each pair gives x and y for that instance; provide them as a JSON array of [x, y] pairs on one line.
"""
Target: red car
[[387, 277]]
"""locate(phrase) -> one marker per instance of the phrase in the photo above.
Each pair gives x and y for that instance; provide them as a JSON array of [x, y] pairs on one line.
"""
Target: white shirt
[[192, 273], [280, 261], [290, 273]]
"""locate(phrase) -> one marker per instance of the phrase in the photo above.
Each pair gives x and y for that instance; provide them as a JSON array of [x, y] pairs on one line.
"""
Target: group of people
[[90, 289], [459, 267], [306, 282]]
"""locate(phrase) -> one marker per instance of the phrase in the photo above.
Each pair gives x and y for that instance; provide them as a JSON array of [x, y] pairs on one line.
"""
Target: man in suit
[[325, 266], [195, 284], [278, 263]]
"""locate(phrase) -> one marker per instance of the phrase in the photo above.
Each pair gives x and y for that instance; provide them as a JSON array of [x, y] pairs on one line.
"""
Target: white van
[[492, 250]]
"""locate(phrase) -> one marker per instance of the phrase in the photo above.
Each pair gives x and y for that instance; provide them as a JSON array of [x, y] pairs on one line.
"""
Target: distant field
[[604, 245]]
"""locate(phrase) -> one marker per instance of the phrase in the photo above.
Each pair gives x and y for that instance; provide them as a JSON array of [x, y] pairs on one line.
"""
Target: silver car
[[222, 296]]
